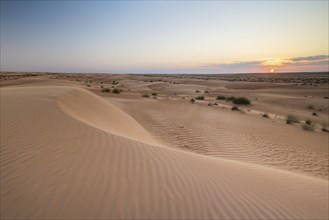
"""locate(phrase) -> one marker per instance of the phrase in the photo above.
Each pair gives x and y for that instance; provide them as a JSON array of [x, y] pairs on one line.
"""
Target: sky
[[164, 36]]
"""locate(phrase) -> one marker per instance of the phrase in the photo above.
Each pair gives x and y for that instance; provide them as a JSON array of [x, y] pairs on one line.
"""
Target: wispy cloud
[[309, 63]]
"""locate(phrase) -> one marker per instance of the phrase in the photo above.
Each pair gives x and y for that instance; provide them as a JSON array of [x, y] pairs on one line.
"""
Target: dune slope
[[55, 166]]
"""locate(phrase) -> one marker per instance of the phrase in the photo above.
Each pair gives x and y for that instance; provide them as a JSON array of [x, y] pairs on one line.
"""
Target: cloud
[[310, 58], [309, 63]]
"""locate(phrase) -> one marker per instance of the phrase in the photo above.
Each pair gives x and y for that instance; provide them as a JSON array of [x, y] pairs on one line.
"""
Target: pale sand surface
[[67, 153]]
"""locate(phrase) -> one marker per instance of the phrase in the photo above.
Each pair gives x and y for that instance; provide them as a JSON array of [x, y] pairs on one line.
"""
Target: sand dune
[[94, 110], [66, 153]]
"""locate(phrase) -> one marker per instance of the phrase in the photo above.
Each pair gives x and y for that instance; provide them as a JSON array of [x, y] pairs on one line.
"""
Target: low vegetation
[[146, 95], [192, 100], [154, 94], [201, 97], [241, 101], [220, 97], [265, 115], [291, 119], [106, 90], [116, 91]]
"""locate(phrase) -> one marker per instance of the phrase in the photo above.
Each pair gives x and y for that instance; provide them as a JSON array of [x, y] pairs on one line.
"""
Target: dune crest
[[94, 110]]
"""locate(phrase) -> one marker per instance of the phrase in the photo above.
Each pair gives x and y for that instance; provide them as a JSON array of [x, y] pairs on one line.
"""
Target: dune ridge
[[66, 163]]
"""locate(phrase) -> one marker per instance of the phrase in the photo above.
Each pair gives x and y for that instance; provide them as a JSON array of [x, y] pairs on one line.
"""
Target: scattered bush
[[235, 108], [201, 97], [154, 94], [291, 119], [106, 90], [308, 122], [315, 114], [145, 95], [192, 100], [102, 86], [114, 82], [88, 85], [197, 91], [210, 104], [310, 106], [116, 91], [241, 101], [206, 91], [220, 97]]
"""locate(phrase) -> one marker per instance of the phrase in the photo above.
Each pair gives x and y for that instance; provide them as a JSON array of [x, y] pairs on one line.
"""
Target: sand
[[68, 153]]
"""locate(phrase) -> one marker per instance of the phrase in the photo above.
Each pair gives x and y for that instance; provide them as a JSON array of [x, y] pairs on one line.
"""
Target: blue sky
[[164, 37]]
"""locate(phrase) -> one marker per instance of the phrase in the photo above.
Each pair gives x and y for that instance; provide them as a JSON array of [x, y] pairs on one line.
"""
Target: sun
[[272, 70]]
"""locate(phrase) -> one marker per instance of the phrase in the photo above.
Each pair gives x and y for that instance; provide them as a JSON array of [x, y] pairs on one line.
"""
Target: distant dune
[[67, 153]]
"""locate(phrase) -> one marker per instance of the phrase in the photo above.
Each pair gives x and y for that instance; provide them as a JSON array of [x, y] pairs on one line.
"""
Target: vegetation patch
[[106, 90], [220, 97], [145, 95], [291, 119], [116, 91], [201, 97], [241, 101]]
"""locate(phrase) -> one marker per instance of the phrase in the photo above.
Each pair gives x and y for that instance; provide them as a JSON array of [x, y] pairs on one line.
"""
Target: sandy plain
[[71, 151]]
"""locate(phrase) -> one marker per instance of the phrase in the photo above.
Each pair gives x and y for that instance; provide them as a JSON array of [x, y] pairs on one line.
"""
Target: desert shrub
[[241, 101], [310, 106], [210, 104], [201, 97], [291, 119], [192, 100], [102, 86], [145, 95], [88, 85], [308, 127], [265, 115], [315, 114], [325, 129], [197, 91], [106, 90], [116, 91], [206, 91], [154, 94], [114, 82], [220, 97], [235, 108], [308, 122]]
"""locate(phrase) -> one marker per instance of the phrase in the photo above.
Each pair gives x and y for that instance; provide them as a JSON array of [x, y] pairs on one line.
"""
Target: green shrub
[[106, 90], [220, 97], [192, 100], [154, 94], [145, 95], [201, 97], [116, 91], [241, 101], [291, 119]]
